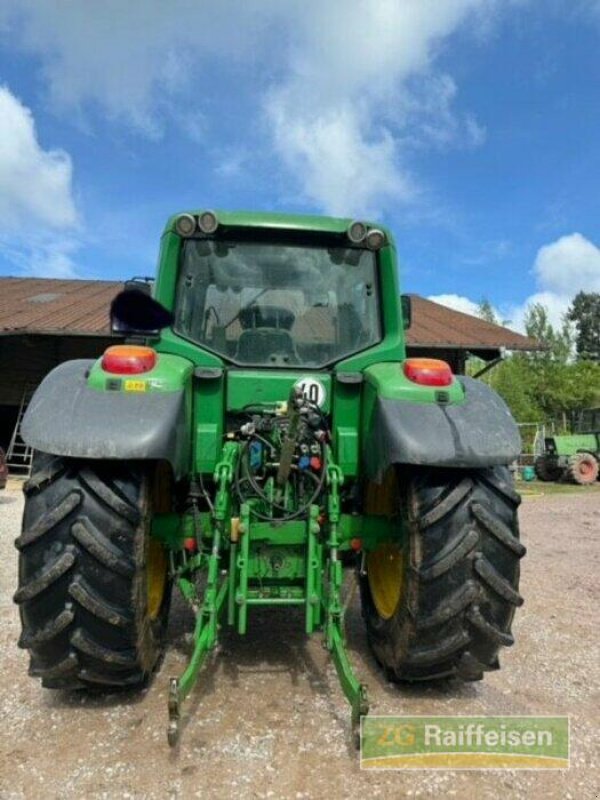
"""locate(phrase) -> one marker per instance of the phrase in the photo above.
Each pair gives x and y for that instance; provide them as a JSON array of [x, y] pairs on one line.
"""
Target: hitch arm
[[356, 692], [205, 636], [213, 603]]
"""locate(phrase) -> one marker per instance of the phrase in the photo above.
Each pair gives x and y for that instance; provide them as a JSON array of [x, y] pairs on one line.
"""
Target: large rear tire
[[93, 588], [442, 603]]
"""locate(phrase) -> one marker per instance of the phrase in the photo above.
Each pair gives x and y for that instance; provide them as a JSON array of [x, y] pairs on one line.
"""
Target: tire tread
[[82, 572], [462, 577]]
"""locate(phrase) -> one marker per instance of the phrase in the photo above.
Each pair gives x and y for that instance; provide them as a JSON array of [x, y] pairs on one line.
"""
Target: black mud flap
[[67, 418], [480, 432]]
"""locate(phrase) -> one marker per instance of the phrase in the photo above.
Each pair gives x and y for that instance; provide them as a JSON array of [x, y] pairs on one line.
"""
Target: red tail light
[[128, 359], [428, 371]]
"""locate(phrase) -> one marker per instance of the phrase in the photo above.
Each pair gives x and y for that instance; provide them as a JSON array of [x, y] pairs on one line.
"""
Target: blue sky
[[469, 126]]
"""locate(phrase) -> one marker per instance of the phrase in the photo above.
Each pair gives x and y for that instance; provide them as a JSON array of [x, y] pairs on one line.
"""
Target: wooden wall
[[26, 359]]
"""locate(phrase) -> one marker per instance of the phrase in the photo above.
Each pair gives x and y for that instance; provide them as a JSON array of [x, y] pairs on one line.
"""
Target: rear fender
[[80, 411], [468, 426]]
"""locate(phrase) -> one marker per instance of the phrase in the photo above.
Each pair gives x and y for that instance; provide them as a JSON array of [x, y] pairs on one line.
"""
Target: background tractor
[[574, 457], [261, 427]]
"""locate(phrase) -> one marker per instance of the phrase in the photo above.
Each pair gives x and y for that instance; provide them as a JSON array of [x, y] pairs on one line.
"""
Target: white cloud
[[555, 304], [111, 54], [347, 90], [457, 302], [345, 110], [340, 169], [35, 184], [568, 265], [37, 209], [138, 62], [562, 268], [41, 254]]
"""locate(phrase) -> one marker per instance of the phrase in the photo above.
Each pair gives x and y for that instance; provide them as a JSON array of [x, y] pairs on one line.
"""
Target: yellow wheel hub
[[156, 573], [385, 572]]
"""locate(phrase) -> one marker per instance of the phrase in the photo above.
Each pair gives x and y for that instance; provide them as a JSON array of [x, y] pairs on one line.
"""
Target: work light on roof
[[375, 239], [208, 222], [356, 231], [185, 225]]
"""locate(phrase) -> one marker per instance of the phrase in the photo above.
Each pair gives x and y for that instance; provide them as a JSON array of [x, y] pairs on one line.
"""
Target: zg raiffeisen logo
[[464, 743]]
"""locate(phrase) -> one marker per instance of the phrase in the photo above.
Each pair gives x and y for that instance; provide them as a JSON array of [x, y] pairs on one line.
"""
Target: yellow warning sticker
[[135, 386]]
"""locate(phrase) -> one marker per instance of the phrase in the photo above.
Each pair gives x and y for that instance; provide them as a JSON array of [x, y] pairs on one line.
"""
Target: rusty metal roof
[[435, 325], [47, 305], [80, 308]]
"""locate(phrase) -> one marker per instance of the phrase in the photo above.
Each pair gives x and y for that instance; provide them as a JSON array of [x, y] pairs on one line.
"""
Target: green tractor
[[574, 457], [260, 429]]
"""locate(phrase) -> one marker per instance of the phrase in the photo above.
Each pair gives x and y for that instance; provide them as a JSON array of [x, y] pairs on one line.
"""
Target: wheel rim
[[585, 470], [156, 574], [385, 569]]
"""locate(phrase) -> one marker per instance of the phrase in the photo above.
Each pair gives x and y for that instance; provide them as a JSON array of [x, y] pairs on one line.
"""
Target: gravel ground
[[268, 719]]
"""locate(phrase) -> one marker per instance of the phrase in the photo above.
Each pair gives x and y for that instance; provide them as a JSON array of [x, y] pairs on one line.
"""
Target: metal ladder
[[19, 455]]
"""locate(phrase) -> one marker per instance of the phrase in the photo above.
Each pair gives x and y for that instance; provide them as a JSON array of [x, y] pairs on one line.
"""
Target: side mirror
[[406, 306], [135, 312], [141, 284]]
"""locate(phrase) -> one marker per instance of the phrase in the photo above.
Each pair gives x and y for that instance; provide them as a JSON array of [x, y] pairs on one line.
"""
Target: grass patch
[[543, 488]]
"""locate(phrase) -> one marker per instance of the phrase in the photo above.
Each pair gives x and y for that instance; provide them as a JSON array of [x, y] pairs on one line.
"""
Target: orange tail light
[[128, 359], [428, 371]]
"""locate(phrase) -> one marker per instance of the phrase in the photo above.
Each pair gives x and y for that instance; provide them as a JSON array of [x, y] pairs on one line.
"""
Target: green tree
[[585, 313], [548, 384], [486, 311], [513, 382], [558, 344], [570, 388]]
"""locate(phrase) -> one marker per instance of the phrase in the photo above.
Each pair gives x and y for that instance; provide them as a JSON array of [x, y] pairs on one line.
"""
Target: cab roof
[[272, 220]]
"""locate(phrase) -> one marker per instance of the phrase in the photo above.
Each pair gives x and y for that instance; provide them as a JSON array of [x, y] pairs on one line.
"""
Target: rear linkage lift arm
[[356, 693], [232, 591], [205, 633]]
